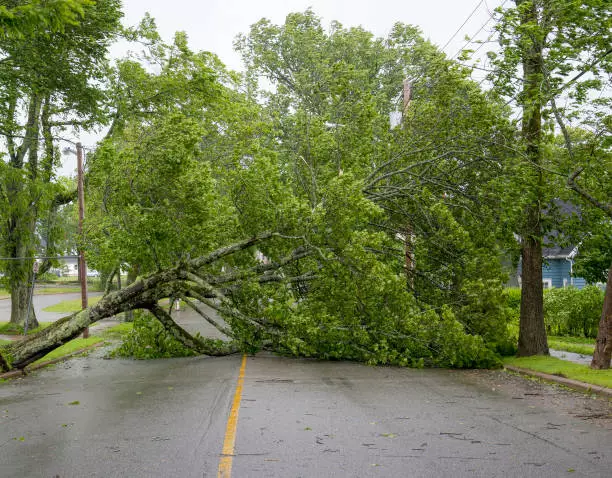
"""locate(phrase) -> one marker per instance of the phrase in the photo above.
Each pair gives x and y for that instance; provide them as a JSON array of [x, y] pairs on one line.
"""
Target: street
[[297, 418]]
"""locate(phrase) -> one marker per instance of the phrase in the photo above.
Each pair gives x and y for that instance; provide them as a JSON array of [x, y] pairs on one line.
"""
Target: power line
[[463, 24], [37, 258], [472, 37], [471, 40]]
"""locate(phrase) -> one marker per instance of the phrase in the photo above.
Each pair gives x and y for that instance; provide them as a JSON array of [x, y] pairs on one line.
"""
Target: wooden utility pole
[[408, 231], [82, 264]]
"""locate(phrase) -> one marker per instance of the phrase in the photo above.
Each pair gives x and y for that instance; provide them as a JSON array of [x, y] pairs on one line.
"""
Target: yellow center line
[[225, 464]]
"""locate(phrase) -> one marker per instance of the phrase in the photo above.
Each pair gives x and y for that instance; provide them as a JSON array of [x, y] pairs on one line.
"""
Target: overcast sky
[[212, 25]]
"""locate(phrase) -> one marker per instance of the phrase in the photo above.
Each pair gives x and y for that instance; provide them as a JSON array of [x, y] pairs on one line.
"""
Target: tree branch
[[571, 182]]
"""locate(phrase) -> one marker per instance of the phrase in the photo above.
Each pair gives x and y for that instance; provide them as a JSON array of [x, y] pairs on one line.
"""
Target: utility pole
[[82, 264], [408, 231]]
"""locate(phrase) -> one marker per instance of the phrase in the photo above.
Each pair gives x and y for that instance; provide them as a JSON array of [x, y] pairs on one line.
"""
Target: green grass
[[80, 343], [69, 306], [70, 347], [577, 345], [117, 331], [49, 290], [6, 328], [57, 287], [563, 368], [4, 342], [572, 340]]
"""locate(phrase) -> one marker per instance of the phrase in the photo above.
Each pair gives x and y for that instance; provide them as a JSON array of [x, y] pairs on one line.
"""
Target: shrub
[[513, 299], [570, 311]]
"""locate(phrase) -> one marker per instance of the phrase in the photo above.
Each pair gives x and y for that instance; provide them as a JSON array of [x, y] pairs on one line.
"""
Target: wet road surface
[[297, 418]]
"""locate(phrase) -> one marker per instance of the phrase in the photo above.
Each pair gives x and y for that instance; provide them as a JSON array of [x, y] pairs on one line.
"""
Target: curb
[[568, 382], [31, 368]]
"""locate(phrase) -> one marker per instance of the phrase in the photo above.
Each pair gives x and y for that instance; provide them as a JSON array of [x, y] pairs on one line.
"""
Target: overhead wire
[[41, 139], [472, 39], [463, 24]]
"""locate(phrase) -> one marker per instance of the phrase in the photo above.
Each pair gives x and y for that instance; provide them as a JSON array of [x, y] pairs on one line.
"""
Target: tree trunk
[[532, 331], [128, 316], [142, 294], [20, 297], [603, 346]]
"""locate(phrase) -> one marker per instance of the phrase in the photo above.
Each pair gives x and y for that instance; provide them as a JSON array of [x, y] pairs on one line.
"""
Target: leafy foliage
[[570, 311], [148, 340]]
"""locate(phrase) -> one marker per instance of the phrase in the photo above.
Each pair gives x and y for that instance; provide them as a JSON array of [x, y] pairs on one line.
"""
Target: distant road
[[40, 302]]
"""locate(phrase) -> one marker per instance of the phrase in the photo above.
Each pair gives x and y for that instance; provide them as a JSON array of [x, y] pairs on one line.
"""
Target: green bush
[[567, 311], [148, 340], [570, 311], [513, 299]]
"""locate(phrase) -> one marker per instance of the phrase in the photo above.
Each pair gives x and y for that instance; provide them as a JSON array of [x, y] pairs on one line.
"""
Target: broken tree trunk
[[189, 279]]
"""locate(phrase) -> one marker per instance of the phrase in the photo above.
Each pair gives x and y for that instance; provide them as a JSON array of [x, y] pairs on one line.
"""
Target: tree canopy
[[286, 200]]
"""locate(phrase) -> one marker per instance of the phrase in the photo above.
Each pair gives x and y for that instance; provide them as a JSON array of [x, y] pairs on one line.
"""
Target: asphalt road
[[297, 418]]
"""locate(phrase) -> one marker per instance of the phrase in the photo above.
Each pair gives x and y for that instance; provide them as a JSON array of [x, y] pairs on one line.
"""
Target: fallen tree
[[308, 303], [190, 279]]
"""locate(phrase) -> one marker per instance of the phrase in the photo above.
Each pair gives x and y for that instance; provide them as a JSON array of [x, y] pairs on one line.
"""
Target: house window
[[547, 283]]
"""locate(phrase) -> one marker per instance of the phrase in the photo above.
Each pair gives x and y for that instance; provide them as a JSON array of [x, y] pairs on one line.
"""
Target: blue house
[[558, 267]]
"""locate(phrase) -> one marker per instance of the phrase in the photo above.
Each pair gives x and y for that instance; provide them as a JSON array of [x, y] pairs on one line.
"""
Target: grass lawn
[[56, 287], [50, 290], [69, 306], [70, 347], [7, 328], [117, 331], [579, 345], [563, 368], [80, 343]]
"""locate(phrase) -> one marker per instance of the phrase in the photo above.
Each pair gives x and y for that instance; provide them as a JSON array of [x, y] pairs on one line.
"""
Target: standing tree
[[50, 81], [563, 49], [595, 188]]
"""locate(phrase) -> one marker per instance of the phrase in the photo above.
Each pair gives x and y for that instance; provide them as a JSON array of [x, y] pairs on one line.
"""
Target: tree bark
[[20, 297], [532, 332], [603, 347]]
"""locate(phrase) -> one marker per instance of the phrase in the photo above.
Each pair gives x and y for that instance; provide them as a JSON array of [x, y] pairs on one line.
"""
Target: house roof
[[556, 251]]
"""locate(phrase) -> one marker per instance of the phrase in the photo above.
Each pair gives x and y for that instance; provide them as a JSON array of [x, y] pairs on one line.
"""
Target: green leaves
[[33, 17]]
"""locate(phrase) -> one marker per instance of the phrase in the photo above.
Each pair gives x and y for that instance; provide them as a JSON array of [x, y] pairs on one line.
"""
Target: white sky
[[212, 25]]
